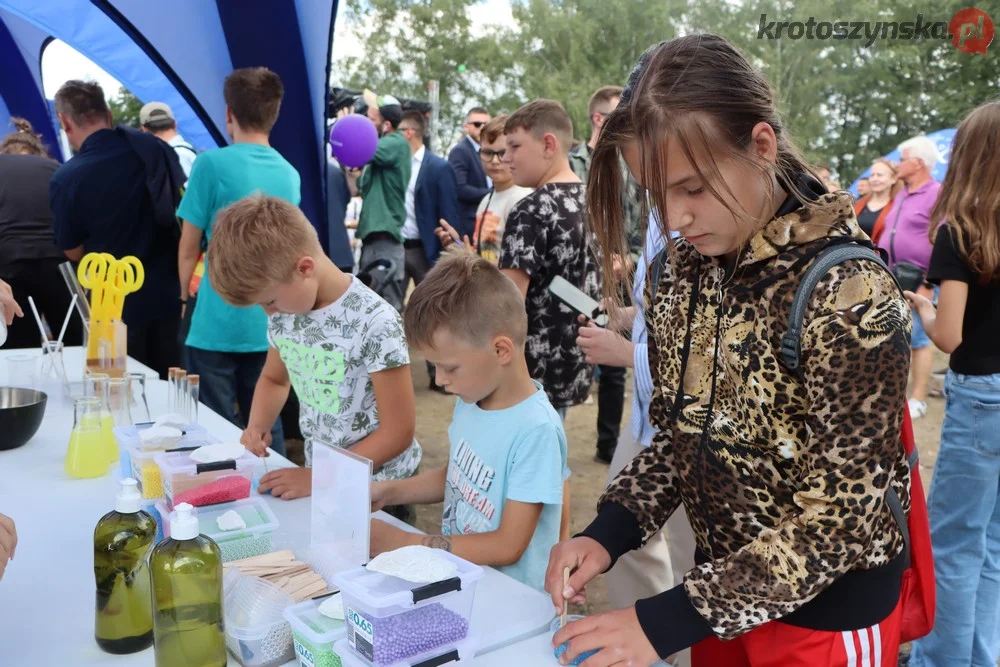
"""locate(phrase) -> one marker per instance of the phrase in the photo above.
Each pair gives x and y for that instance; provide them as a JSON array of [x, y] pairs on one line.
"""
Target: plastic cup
[[554, 627], [22, 370]]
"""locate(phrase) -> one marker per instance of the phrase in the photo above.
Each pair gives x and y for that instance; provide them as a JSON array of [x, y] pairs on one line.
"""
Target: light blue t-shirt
[[499, 455], [218, 179]]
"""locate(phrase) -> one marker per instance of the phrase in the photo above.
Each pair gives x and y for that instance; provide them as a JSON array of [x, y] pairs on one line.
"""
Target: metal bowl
[[21, 412]]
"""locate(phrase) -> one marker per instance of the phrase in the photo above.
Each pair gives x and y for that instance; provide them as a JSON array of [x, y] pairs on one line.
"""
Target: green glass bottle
[[122, 541], [186, 571]]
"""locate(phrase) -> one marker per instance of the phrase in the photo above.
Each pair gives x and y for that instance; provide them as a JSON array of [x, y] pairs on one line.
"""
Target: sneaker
[[917, 408]]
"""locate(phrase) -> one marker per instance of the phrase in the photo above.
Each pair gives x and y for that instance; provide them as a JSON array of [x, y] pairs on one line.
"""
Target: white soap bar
[[160, 437], [173, 420], [417, 564], [332, 607], [223, 451], [231, 520]]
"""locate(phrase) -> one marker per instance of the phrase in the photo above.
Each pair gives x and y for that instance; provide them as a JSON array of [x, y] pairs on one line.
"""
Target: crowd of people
[[748, 516]]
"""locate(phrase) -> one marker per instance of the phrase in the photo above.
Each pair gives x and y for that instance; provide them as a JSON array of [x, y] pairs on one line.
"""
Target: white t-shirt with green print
[[330, 355]]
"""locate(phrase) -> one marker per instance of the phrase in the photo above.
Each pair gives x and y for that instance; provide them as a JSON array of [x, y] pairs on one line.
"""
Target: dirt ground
[[434, 412]]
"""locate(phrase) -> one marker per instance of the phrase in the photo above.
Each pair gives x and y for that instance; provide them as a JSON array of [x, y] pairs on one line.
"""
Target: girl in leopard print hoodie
[[783, 475]]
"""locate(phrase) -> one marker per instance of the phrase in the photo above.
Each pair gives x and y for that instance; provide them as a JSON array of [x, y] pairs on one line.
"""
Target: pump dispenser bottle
[[122, 542], [186, 571]]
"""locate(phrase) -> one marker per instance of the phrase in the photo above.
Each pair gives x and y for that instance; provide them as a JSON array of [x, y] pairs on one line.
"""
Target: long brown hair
[[969, 200], [701, 91], [23, 140]]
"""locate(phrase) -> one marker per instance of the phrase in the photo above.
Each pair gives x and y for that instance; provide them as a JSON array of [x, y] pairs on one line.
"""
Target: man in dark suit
[[430, 196], [473, 184]]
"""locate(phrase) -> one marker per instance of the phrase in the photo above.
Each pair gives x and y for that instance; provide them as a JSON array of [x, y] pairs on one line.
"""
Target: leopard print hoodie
[[783, 476]]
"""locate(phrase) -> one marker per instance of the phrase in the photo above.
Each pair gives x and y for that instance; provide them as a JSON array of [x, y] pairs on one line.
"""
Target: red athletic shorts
[[778, 644]]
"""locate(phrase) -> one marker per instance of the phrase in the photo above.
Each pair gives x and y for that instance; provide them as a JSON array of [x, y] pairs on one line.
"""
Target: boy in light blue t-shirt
[[226, 345], [503, 487]]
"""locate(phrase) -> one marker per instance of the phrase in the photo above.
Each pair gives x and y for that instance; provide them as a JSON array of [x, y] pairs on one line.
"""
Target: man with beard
[[382, 186]]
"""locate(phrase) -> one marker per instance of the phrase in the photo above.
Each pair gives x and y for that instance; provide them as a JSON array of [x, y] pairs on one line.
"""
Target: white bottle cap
[[183, 523], [129, 501]]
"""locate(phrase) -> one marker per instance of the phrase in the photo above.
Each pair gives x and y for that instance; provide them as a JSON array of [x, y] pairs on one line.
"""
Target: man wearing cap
[[383, 192], [157, 119]]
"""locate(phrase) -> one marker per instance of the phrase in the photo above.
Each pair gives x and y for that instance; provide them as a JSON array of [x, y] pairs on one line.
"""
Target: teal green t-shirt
[[218, 179]]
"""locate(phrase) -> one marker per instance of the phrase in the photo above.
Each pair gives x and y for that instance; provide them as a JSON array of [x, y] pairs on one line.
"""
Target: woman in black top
[[29, 259], [964, 505]]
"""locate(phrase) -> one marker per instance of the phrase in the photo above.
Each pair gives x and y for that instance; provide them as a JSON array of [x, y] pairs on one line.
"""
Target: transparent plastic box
[[314, 634], [257, 634], [395, 622], [461, 654], [200, 484], [254, 540], [139, 463]]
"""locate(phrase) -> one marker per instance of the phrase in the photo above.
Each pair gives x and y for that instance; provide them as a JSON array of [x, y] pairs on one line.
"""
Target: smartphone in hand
[[574, 298]]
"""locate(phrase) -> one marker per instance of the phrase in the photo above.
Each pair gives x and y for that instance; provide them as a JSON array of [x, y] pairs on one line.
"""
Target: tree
[[567, 50], [845, 102], [125, 108], [409, 43]]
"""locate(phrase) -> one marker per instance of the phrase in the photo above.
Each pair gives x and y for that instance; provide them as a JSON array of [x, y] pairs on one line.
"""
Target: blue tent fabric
[[180, 53], [943, 139], [20, 85]]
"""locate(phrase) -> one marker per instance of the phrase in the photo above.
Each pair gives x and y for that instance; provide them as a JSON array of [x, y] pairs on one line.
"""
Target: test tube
[[172, 389], [194, 387], [182, 402], [137, 389]]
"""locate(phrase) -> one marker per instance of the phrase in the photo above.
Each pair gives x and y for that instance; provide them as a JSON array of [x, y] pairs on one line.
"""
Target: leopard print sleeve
[[647, 487], [856, 362]]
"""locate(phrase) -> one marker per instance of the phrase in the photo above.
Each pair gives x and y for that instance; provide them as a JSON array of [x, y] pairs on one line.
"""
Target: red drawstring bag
[[917, 594]]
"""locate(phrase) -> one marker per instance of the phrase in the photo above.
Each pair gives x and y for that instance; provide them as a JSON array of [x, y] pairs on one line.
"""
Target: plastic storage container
[[140, 464], [200, 484], [391, 621], [254, 540], [461, 654], [314, 634], [257, 634]]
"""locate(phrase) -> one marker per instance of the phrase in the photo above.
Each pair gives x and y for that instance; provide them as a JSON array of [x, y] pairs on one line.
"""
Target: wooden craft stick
[[275, 558], [312, 590], [565, 609]]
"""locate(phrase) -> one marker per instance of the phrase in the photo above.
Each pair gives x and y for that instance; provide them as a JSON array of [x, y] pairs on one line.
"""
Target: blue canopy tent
[[942, 139], [179, 53]]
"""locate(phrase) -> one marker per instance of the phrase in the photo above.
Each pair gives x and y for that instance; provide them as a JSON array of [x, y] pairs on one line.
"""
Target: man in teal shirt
[[226, 345], [383, 196]]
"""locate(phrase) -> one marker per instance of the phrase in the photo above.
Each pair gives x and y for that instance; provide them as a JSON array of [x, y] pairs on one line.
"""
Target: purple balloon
[[353, 140]]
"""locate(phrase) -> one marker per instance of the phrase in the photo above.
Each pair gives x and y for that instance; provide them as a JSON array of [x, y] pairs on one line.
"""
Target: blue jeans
[[228, 380], [965, 528], [918, 338]]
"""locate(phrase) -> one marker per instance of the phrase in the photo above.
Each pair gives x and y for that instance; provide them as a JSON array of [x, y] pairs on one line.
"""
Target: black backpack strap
[[656, 268], [791, 345], [791, 342]]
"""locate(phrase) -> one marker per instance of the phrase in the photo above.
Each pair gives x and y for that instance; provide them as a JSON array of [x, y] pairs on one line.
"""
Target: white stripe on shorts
[[852, 655], [866, 656]]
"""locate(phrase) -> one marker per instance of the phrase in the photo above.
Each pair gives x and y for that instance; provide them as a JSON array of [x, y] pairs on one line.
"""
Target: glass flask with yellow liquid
[[86, 455]]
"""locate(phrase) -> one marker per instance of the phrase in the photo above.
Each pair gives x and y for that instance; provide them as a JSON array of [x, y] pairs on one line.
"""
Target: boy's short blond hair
[[256, 244], [468, 296], [542, 117]]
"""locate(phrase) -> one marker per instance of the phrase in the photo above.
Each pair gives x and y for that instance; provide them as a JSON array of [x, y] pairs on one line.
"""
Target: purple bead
[[416, 631]]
